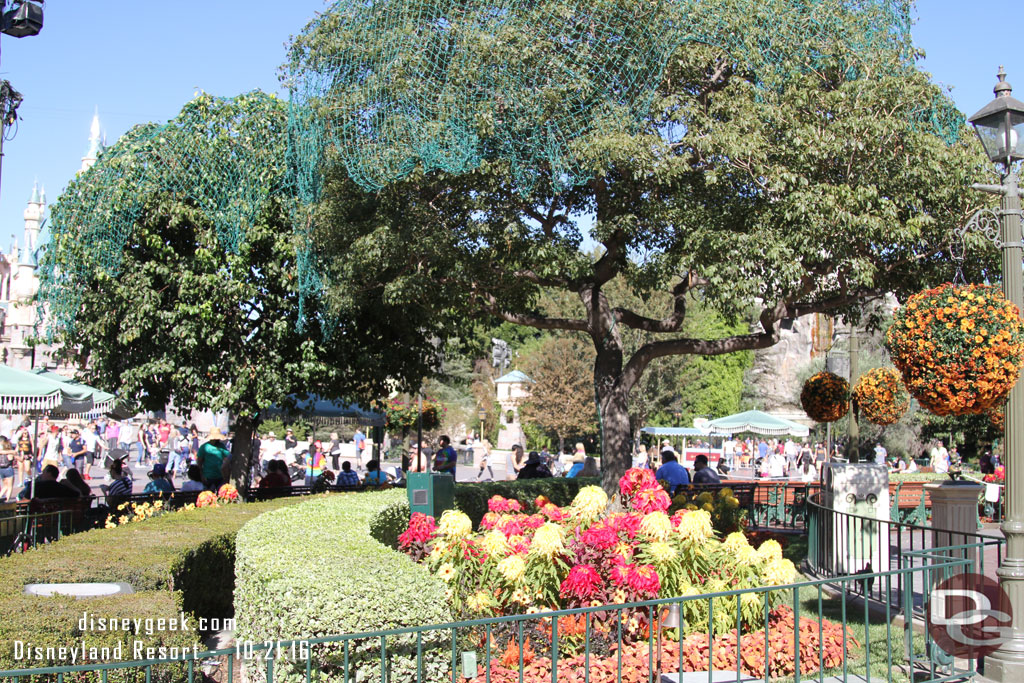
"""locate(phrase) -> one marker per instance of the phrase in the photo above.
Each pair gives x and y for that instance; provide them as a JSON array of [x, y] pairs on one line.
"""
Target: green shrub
[[472, 498], [175, 562], [388, 524], [313, 570]]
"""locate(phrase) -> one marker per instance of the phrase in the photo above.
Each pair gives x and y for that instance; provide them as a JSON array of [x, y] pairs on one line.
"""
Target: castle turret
[[95, 143], [33, 219]]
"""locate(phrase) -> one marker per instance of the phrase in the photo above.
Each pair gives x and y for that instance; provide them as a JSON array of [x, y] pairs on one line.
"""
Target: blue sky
[[140, 60]]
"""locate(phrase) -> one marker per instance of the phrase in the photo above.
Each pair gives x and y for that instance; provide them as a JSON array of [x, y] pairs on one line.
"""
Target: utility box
[[430, 493]]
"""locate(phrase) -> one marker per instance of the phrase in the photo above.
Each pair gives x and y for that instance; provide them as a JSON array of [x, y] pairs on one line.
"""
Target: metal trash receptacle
[[430, 493]]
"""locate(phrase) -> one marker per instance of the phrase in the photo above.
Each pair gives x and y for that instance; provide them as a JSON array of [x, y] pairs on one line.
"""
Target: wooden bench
[[908, 502]]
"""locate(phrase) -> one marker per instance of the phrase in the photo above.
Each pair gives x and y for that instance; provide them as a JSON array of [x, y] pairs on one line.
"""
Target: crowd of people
[[54, 459]]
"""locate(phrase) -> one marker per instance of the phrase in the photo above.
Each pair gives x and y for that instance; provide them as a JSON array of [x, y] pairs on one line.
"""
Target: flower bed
[[538, 557], [577, 667]]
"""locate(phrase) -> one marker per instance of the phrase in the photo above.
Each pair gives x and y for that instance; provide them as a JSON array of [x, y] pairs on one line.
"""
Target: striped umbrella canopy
[[102, 402], [759, 423], [26, 393]]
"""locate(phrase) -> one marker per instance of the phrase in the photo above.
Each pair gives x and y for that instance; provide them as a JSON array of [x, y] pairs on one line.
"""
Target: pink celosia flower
[[620, 574], [490, 520], [628, 523]]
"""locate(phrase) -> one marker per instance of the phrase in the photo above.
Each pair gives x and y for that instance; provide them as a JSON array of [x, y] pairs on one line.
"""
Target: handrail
[[946, 562]]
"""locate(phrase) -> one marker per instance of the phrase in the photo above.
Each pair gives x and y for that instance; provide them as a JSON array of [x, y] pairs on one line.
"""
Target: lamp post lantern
[[1000, 126]]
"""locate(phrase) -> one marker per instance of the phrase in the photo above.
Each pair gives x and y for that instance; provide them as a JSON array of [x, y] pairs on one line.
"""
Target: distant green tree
[[184, 319]]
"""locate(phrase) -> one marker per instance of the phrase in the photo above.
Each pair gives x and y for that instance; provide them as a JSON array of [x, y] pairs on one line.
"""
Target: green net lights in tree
[[959, 348], [880, 397], [221, 159], [407, 85], [825, 397]]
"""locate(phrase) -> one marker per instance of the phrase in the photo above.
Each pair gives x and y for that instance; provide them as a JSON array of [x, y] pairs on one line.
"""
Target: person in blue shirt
[[347, 477], [374, 475], [158, 481], [671, 471]]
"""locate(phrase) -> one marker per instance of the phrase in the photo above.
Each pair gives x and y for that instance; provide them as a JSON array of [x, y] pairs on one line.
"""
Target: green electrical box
[[430, 493]]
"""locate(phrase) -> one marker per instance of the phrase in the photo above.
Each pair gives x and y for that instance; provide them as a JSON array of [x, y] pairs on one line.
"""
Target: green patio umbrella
[[102, 402], [29, 393], [757, 422]]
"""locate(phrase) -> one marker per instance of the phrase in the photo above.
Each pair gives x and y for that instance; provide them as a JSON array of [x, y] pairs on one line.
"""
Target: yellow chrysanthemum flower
[[661, 552], [734, 541], [696, 526], [590, 502], [547, 541], [512, 568], [779, 572], [455, 524], [751, 600], [770, 550], [745, 555], [495, 544], [479, 601], [656, 526]]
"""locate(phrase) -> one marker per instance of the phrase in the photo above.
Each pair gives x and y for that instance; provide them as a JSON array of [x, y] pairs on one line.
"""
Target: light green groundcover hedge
[[180, 561], [314, 570]]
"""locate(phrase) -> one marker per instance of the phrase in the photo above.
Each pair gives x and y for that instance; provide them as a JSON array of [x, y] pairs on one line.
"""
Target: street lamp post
[[1000, 126]]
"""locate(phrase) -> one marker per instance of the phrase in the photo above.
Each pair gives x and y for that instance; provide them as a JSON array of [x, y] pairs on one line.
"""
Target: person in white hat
[[213, 460]]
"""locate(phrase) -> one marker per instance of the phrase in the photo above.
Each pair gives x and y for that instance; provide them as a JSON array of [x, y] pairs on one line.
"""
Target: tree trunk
[[614, 418], [241, 452]]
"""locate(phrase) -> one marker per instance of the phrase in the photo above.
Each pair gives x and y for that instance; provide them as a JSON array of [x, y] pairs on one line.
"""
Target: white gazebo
[[512, 389]]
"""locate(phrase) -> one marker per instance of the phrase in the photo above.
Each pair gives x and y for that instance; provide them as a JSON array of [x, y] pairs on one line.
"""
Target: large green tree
[[813, 196], [188, 320]]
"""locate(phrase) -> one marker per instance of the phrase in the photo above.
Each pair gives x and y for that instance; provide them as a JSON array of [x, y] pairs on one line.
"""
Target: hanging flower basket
[[959, 349], [825, 397], [997, 417], [880, 397]]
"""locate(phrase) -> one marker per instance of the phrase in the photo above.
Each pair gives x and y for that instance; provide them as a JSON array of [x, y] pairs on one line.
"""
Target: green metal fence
[[842, 636]]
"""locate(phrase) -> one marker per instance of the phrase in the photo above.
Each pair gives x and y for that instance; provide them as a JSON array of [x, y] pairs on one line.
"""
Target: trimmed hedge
[[175, 562], [314, 570], [472, 498], [388, 524]]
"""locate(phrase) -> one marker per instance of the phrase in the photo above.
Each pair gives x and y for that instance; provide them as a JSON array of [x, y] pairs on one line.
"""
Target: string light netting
[[389, 87], [445, 84]]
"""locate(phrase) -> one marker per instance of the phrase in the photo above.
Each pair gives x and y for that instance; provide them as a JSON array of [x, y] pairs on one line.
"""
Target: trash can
[[430, 493]]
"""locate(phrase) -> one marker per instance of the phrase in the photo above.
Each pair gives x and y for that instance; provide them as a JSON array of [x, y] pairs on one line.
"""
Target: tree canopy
[[829, 190], [185, 319]]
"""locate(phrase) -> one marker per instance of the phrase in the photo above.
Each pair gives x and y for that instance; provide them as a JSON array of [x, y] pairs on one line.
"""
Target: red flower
[[644, 580], [499, 504], [421, 530], [490, 520], [634, 480], [601, 536], [535, 521], [582, 582], [511, 526], [620, 573], [628, 523], [651, 500]]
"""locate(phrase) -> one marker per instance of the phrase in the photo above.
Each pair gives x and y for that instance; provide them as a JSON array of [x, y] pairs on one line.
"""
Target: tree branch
[[530, 320]]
